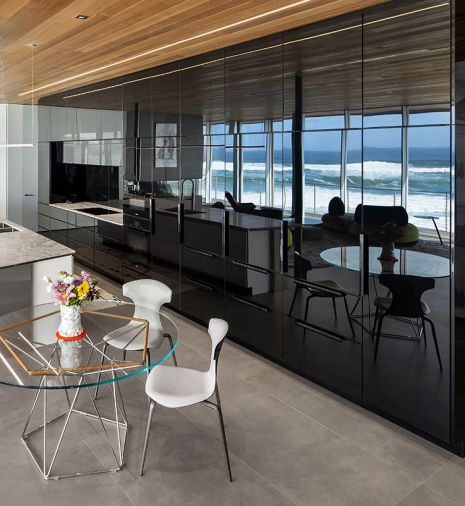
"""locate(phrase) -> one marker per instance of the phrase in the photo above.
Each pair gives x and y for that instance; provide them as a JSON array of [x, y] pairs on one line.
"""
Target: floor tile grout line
[[112, 474], [431, 490], [208, 433], [390, 464]]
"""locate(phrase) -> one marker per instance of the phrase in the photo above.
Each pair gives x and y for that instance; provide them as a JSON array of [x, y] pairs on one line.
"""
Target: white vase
[[387, 258], [70, 324], [70, 334], [71, 354]]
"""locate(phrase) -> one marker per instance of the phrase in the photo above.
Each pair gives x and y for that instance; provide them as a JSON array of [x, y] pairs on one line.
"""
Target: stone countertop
[[236, 220], [116, 219], [25, 246], [206, 214]]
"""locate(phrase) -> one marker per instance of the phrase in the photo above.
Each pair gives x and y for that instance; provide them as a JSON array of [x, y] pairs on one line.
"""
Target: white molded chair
[[148, 296], [177, 387]]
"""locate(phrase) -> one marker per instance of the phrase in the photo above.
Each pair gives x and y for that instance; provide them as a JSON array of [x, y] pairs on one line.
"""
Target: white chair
[[148, 296], [177, 387]]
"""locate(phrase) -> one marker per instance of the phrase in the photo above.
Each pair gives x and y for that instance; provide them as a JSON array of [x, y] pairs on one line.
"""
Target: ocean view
[[428, 177]]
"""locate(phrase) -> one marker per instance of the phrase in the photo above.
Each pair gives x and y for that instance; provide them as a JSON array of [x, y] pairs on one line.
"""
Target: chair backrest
[[233, 202], [406, 293], [302, 266], [217, 329], [379, 215], [148, 296]]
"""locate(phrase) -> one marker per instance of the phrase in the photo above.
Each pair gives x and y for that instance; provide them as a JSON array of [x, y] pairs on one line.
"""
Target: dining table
[[63, 376], [409, 262]]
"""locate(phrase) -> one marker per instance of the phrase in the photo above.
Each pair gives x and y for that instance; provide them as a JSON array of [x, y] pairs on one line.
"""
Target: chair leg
[[104, 349], [170, 339], [293, 300], [373, 329], [147, 362], [378, 334], [307, 303], [423, 326], [435, 339], [147, 435], [223, 433], [348, 316], [334, 307]]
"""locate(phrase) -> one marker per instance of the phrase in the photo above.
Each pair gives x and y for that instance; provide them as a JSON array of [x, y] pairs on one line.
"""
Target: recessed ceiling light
[[81, 16]]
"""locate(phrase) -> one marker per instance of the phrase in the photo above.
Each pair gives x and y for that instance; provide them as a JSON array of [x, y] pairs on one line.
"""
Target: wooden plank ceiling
[[112, 41]]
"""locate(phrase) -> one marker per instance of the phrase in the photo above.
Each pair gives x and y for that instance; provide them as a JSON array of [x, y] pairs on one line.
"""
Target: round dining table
[[414, 263], [63, 377]]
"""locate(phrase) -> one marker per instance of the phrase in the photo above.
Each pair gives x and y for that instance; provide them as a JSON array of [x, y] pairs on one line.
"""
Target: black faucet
[[192, 194]]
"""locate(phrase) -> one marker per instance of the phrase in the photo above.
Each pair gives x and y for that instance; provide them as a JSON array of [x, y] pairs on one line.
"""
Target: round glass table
[[410, 262], [32, 358]]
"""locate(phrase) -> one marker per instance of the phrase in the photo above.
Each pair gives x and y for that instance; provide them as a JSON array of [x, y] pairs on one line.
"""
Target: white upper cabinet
[[88, 124], [43, 123], [63, 124], [111, 124]]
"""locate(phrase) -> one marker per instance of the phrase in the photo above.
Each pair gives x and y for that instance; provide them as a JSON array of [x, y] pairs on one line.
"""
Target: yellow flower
[[83, 289]]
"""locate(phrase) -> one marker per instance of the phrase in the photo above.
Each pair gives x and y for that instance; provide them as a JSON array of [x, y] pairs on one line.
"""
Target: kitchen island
[[25, 258]]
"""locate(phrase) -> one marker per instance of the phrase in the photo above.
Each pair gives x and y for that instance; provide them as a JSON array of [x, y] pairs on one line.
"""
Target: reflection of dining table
[[409, 262]]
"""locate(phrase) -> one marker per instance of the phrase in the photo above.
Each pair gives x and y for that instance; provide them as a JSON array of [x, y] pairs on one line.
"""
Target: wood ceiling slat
[[121, 29]]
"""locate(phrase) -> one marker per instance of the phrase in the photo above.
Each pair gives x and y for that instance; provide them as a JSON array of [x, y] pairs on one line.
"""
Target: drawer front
[[331, 361], [255, 324], [109, 265], [82, 252]]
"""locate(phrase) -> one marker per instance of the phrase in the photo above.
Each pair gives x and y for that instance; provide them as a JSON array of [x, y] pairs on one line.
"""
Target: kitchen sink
[[186, 211], [97, 211]]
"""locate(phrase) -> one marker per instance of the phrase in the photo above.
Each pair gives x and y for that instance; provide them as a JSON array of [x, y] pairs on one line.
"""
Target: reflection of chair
[[177, 387], [321, 288], [250, 208], [238, 206], [405, 303]]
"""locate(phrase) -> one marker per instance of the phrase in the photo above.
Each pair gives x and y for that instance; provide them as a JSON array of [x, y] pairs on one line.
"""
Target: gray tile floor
[[291, 442]]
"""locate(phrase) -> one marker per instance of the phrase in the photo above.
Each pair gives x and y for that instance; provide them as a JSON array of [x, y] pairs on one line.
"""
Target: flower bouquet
[[72, 292]]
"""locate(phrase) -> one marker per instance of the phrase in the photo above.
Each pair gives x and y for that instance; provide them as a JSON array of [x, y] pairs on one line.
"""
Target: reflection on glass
[[382, 167], [429, 176], [354, 170], [322, 156], [253, 158], [324, 122]]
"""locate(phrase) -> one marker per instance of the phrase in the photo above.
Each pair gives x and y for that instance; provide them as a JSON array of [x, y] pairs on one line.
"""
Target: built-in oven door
[[136, 257]]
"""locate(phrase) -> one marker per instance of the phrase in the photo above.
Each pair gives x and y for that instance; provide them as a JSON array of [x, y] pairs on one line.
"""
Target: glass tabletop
[[32, 357], [410, 262]]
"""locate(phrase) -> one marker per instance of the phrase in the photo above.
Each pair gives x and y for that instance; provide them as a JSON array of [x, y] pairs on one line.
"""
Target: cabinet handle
[[261, 270], [181, 223], [201, 252], [202, 284], [29, 195], [319, 330], [264, 309]]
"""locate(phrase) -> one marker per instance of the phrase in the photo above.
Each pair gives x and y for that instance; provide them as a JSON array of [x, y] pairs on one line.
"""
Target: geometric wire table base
[[119, 423]]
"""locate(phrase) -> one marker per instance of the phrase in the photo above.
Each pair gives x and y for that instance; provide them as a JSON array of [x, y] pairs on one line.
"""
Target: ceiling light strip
[[167, 46], [310, 37]]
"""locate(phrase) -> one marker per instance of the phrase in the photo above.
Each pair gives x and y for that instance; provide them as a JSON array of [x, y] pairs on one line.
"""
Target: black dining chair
[[405, 302], [327, 289]]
